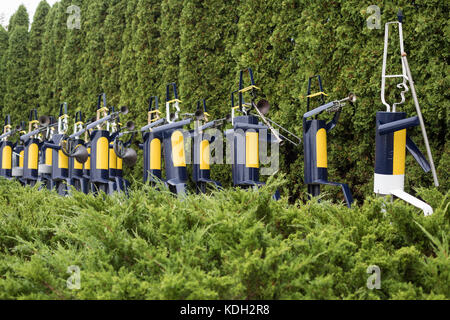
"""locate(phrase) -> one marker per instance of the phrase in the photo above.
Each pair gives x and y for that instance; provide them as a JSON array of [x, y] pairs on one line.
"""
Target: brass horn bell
[[263, 106], [130, 157], [199, 115], [352, 98], [44, 121], [124, 110], [130, 125], [81, 154]]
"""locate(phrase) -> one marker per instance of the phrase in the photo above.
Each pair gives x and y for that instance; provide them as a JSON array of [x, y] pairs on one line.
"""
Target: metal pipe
[[277, 136], [282, 128], [92, 125], [10, 133], [419, 114], [176, 124], [27, 136], [153, 124]]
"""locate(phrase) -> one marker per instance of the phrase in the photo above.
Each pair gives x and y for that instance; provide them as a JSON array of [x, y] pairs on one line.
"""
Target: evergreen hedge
[[234, 245]]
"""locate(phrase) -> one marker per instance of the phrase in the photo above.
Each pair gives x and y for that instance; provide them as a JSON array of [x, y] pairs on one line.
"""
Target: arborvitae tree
[[47, 66], [69, 71], [92, 72], [289, 87], [128, 75], [207, 67], [35, 50], [17, 73], [115, 23], [19, 18], [146, 41], [50, 86], [59, 39], [3, 59], [253, 47], [169, 54]]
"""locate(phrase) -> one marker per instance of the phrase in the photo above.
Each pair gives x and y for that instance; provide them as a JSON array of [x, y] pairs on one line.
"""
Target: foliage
[[235, 244], [17, 73], [128, 73], [3, 59], [19, 19], [35, 51], [47, 66], [146, 40], [93, 50], [115, 23]]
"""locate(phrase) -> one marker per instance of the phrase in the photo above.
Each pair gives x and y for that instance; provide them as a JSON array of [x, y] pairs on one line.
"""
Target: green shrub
[[233, 244]]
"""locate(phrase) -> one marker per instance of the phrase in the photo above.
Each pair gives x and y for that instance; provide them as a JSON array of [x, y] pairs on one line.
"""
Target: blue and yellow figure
[[246, 135], [98, 149], [246, 150], [315, 143], [99, 164], [18, 156], [6, 150], [99, 152], [116, 160], [391, 139], [60, 177], [31, 152], [76, 168], [87, 166], [201, 149], [391, 143], [152, 145], [113, 159], [173, 140], [46, 161]]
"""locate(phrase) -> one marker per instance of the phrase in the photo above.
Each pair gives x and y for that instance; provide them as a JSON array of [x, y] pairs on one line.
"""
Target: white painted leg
[[427, 209]]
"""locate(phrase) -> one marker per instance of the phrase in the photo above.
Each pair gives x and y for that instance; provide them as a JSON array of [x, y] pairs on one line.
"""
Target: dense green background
[[131, 49]]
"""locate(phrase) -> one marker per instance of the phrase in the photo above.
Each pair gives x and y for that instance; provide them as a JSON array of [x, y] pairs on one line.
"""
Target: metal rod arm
[[419, 114], [153, 124]]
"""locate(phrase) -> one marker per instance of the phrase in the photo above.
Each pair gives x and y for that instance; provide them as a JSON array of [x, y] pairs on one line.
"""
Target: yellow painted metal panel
[[155, 154], [112, 159], [48, 156], [102, 153], [87, 164], [398, 165], [7, 158], [63, 160], [33, 156], [251, 149], [22, 154], [321, 148], [178, 156], [204, 155]]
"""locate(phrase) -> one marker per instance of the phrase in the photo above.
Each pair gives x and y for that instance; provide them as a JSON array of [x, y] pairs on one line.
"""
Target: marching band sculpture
[[315, 142], [94, 163], [391, 138]]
